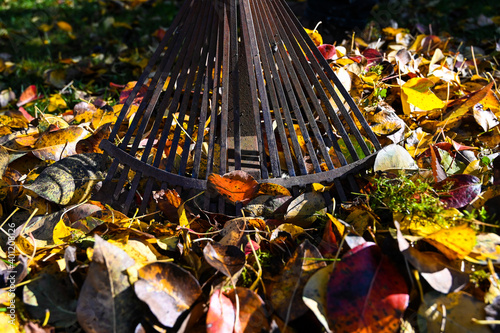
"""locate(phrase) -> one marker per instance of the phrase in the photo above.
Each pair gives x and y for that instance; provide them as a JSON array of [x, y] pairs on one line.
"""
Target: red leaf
[[328, 51], [28, 95], [437, 170], [328, 243], [128, 90], [373, 56], [249, 245], [366, 292], [461, 190], [25, 114], [220, 316]]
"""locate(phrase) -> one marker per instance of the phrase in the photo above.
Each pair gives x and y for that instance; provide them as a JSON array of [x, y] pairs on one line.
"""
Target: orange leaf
[[234, 186]]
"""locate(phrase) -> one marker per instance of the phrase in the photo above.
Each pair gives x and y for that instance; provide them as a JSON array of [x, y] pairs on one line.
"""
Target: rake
[[236, 85]]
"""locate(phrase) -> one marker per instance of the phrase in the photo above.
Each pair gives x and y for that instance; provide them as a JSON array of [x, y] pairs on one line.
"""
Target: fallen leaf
[[54, 294], [69, 180], [221, 315], [305, 209], [315, 291], [455, 242], [485, 118], [286, 295], [417, 92], [328, 51], [253, 315], [315, 36], [28, 95], [433, 267], [236, 186], [458, 191], [107, 302], [394, 157], [366, 292], [227, 259], [167, 289], [451, 313], [91, 143]]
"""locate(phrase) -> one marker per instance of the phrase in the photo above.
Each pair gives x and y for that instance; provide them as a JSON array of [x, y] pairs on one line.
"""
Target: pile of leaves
[[415, 250]]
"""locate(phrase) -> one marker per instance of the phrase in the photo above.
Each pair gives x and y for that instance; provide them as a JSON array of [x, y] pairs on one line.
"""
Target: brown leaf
[[107, 302], [167, 289], [286, 296], [168, 202], [91, 144], [227, 259], [252, 315]]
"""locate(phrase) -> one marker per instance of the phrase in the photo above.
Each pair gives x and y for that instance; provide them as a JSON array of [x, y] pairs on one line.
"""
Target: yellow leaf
[[340, 227], [60, 232], [56, 102], [418, 93], [455, 242], [272, 189], [315, 36], [317, 187], [65, 26], [122, 25], [45, 27], [183, 220], [419, 142]]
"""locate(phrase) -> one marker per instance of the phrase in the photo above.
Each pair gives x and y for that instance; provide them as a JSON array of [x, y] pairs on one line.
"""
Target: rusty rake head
[[236, 84]]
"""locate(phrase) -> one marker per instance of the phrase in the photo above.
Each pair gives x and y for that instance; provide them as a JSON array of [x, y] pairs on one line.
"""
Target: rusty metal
[[236, 84]]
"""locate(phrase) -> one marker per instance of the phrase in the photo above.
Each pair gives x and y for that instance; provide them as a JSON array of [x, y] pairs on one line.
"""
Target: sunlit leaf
[[56, 102], [462, 106], [394, 157], [28, 95], [305, 209], [485, 118], [272, 189], [433, 267], [327, 51], [236, 186], [455, 242], [58, 144], [458, 191], [65, 26], [487, 248], [315, 36], [417, 92], [315, 291], [60, 181]]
